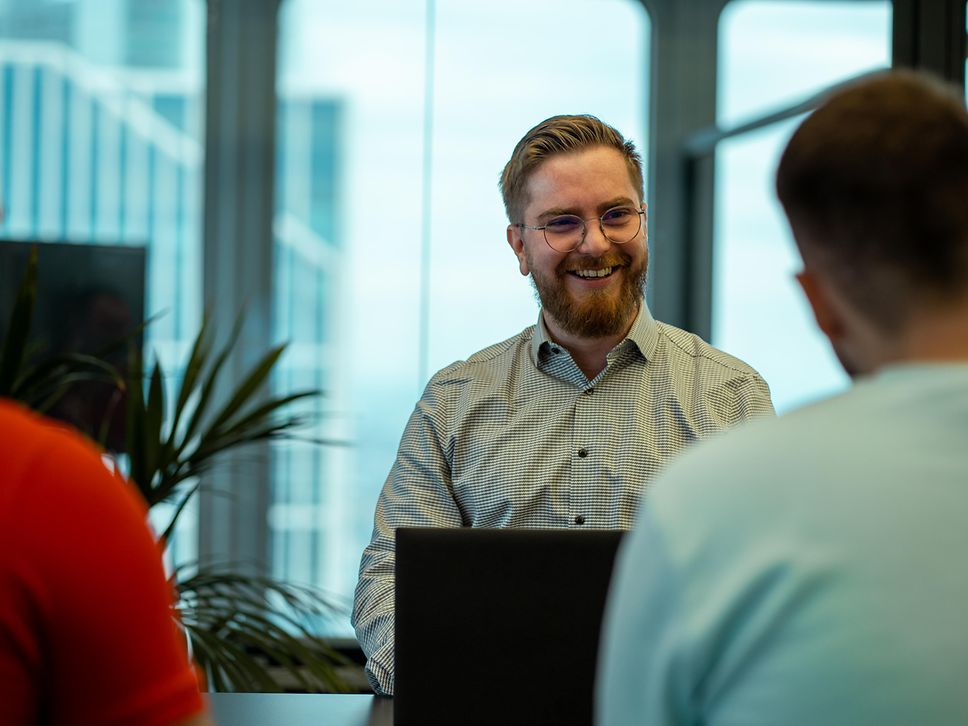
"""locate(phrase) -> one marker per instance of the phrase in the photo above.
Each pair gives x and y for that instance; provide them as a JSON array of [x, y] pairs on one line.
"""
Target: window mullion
[[239, 176]]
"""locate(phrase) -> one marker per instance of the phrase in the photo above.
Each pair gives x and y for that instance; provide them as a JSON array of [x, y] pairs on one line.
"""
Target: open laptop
[[498, 626]]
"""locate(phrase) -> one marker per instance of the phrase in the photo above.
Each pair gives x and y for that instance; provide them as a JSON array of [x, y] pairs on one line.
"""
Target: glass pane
[[351, 219], [758, 311], [101, 119], [774, 53]]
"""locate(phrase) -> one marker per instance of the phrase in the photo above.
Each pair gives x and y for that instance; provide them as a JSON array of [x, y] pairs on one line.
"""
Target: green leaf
[[235, 608], [228, 666], [208, 387], [248, 388], [117, 345], [215, 445], [36, 381], [136, 425], [154, 411], [15, 344], [201, 349], [256, 415], [166, 534], [102, 434]]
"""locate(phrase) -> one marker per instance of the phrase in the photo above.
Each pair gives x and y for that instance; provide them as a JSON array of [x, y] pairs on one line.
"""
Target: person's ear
[[517, 244], [825, 310]]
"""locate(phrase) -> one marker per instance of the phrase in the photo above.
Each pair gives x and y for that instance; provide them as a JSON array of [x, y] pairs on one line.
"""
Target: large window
[[772, 55], [100, 142], [395, 121]]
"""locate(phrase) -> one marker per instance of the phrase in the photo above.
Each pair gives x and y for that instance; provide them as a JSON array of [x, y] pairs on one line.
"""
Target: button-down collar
[[644, 334]]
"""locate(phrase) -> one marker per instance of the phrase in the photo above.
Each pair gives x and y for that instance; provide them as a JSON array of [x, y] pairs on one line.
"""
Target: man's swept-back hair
[[875, 184], [560, 135]]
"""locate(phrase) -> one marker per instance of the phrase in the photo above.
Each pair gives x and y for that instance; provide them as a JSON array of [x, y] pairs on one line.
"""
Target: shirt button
[[588, 391], [579, 519], [582, 452]]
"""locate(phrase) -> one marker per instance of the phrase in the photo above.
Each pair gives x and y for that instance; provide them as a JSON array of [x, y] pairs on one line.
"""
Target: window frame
[[916, 26]]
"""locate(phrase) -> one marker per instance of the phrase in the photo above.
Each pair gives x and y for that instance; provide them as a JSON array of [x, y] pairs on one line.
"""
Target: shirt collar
[[644, 333]]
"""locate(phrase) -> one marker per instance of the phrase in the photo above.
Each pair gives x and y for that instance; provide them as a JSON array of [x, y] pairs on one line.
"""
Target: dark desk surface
[[299, 709]]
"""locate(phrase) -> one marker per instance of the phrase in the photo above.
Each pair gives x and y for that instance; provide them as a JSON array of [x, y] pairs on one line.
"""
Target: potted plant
[[247, 633]]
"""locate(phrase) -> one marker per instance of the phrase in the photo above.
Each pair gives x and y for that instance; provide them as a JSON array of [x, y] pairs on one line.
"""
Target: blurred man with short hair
[[810, 570]]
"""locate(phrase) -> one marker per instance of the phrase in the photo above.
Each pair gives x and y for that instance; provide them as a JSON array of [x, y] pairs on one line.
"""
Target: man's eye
[[619, 215], [563, 225]]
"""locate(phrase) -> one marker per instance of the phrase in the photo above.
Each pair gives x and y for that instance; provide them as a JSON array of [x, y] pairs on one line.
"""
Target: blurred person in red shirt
[[87, 634]]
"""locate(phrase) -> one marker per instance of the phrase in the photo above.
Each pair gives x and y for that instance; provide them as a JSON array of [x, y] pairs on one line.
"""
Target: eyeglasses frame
[[601, 226]]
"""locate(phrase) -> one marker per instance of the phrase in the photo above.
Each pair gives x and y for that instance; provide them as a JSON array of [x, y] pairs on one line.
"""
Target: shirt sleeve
[[417, 493], [752, 399], [92, 605]]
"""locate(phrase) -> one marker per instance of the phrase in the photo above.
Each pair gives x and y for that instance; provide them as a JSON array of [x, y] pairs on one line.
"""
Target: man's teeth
[[604, 272]]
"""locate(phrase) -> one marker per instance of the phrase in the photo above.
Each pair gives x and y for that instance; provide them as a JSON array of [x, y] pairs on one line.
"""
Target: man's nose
[[595, 242]]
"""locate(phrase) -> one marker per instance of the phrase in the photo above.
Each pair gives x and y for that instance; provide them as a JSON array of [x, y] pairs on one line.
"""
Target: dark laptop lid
[[498, 626]]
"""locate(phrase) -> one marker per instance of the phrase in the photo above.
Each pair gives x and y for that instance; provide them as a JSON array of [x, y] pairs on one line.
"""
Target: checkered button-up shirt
[[517, 436]]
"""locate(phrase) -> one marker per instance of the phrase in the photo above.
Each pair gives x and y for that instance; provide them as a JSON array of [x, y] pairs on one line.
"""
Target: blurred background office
[[332, 168]]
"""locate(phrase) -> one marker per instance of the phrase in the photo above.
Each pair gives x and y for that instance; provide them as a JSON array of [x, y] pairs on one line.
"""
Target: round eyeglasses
[[567, 231]]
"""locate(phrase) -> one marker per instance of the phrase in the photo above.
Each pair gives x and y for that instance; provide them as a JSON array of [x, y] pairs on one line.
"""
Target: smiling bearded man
[[564, 424], [589, 276]]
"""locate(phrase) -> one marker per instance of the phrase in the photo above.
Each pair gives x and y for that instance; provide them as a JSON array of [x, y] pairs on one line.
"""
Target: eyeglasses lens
[[566, 232]]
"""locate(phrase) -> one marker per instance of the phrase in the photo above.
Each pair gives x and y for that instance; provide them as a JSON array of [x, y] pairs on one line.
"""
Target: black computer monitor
[[88, 297], [498, 627]]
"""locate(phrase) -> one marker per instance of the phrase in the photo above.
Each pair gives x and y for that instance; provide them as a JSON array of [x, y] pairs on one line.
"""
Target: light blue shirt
[[807, 570]]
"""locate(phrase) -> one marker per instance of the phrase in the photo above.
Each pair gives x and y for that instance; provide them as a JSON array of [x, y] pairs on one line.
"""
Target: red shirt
[[86, 630]]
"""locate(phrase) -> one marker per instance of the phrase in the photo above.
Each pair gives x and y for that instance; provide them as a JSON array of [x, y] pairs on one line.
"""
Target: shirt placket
[[586, 457]]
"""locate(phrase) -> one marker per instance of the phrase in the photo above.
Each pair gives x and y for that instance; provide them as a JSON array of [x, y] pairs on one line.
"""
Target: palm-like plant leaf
[[136, 425], [241, 639], [160, 463], [244, 629], [15, 344], [42, 385], [243, 394], [204, 388], [186, 497]]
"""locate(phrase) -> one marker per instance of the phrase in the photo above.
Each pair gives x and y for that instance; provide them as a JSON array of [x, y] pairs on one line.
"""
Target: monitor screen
[[88, 297]]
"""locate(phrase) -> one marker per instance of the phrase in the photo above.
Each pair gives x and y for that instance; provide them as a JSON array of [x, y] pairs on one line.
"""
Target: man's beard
[[600, 313]]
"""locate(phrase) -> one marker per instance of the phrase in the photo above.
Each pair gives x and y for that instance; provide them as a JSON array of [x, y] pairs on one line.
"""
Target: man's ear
[[825, 310], [517, 244]]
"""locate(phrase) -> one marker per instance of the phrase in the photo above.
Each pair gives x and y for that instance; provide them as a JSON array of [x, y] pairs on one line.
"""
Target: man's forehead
[[607, 170]]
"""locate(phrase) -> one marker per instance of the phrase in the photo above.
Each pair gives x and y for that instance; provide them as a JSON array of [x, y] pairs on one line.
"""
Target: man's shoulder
[[851, 449], [494, 359], [689, 347], [26, 441], [768, 456]]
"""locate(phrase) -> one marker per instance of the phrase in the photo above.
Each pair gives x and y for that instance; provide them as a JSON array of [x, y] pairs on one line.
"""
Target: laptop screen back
[[498, 626]]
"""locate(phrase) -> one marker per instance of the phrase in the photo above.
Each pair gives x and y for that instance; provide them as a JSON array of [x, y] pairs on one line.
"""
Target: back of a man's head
[[875, 184]]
